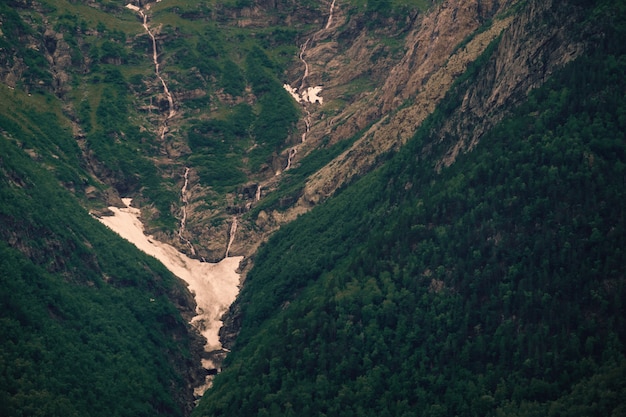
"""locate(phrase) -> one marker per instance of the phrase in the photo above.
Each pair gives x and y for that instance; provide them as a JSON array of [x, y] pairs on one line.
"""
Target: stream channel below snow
[[213, 285]]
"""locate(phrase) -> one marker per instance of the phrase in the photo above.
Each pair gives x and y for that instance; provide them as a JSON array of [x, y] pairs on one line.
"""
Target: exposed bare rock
[[526, 56], [425, 73], [429, 47], [439, 48]]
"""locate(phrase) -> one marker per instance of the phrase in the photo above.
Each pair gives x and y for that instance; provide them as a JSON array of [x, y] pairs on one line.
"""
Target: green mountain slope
[[88, 325], [492, 287], [197, 87], [226, 117], [476, 270]]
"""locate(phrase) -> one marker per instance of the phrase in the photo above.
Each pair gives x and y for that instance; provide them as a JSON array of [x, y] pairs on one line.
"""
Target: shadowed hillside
[[438, 231]]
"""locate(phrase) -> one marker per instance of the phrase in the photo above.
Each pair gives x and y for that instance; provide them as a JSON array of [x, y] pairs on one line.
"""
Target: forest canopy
[[492, 287]]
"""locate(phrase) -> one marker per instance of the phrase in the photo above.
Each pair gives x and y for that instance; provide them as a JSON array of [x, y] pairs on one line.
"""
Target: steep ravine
[[440, 47], [342, 55], [213, 285]]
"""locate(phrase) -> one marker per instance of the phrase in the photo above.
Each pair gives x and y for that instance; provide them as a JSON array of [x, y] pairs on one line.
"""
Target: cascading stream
[[231, 237], [330, 15], [214, 286], [183, 209], [303, 94], [292, 152], [307, 122], [155, 59], [306, 65]]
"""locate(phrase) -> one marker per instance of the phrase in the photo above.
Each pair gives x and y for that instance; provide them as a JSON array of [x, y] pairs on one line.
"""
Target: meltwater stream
[[303, 94], [214, 285]]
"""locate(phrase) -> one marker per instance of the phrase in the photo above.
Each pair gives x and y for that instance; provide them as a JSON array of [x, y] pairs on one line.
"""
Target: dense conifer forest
[[494, 286], [82, 334]]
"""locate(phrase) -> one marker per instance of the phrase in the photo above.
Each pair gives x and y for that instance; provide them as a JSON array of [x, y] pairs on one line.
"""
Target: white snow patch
[[293, 92], [310, 95], [214, 286]]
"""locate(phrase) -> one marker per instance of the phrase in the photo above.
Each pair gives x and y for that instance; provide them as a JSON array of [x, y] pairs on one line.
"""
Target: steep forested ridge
[[492, 287], [88, 324], [488, 283]]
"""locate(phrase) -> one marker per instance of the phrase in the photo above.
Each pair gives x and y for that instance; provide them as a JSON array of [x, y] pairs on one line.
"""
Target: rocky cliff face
[[530, 50], [417, 82], [439, 47], [381, 76]]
